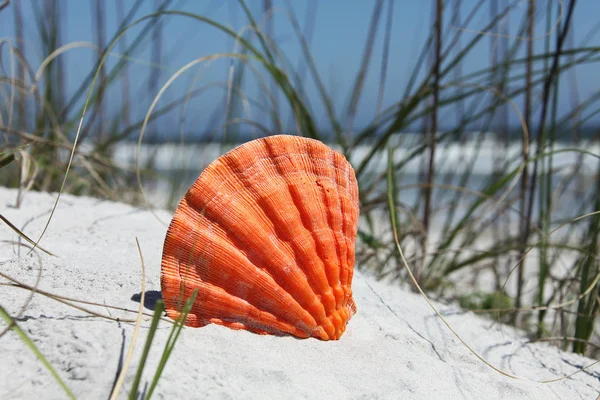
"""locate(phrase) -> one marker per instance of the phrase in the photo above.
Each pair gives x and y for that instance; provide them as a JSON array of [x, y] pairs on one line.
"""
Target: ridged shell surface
[[267, 235]]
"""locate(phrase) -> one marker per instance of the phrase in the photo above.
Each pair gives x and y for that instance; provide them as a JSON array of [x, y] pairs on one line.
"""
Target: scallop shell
[[267, 235]]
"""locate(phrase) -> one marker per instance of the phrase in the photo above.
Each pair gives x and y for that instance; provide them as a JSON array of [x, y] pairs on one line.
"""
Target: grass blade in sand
[[13, 325], [173, 336], [158, 310]]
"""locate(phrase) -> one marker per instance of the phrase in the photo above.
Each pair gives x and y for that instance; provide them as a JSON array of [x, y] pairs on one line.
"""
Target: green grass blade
[[588, 307], [158, 310], [173, 336], [23, 336], [4, 161], [391, 192]]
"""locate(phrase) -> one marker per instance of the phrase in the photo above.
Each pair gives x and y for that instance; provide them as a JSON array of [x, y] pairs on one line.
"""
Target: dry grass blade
[[392, 211], [24, 236], [153, 105], [69, 301], [570, 375], [136, 330]]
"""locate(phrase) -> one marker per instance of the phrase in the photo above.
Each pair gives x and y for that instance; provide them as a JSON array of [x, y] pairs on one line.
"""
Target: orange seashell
[[267, 235]]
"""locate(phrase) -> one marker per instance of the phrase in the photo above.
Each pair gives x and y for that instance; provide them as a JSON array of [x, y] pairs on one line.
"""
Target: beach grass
[[499, 247]]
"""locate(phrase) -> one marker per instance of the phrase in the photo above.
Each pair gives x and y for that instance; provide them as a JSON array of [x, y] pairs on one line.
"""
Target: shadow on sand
[[150, 300]]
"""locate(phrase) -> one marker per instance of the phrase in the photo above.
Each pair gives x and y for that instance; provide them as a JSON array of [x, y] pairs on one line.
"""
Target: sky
[[339, 32]]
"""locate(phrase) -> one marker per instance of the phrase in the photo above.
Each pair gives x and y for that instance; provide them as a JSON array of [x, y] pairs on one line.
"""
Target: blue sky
[[340, 30]]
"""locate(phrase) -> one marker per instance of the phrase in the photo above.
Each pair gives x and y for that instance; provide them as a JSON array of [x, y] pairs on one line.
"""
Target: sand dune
[[395, 347]]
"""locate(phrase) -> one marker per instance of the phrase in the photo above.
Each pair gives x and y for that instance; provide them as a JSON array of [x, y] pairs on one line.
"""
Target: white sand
[[395, 347]]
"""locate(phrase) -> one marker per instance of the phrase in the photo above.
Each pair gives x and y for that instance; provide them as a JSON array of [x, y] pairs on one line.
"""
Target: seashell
[[267, 235]]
